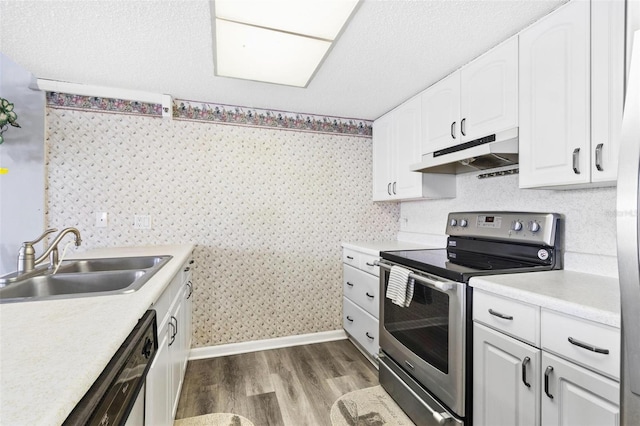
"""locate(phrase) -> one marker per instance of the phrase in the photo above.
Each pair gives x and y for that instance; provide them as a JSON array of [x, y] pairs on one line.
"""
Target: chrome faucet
[[27, 255]]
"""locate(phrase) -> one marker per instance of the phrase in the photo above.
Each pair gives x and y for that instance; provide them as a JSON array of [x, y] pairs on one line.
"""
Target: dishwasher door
[[119, 390]]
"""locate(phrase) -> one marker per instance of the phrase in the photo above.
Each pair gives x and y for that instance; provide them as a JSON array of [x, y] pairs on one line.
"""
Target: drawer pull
[[350, 257], [588, 346], [547, 372], [369, 336], [408, 364], [525, 362], [370, 264], [349, 284], [369, 295], [499, 315], [349, 318]]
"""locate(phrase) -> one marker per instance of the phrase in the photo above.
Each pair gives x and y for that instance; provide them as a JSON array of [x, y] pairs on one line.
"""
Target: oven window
[[423, 326]]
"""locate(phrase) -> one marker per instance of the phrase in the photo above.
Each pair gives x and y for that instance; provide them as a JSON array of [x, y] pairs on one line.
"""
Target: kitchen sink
[[110, 264], [83, 278]]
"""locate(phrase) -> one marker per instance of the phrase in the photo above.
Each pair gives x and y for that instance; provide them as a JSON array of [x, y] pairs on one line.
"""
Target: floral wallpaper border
[[98, 104], [199, 111], [217, 113]]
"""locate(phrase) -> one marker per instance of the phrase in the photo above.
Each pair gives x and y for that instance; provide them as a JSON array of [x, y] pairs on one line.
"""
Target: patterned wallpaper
[[266, 208]]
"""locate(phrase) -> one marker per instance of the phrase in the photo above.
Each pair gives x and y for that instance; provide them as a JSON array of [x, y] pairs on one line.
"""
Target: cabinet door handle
[[499, 315], [349, 318], [187, 269], [394, 188], [173, 332], [588, 346], [576, 161], [190, 289], [349, 284], [350, 257], [462, 127], [599, 157], [389, 188], [547, 372], [369, 264], [525, 362], [369, 336], [453, 130], [369, 295]]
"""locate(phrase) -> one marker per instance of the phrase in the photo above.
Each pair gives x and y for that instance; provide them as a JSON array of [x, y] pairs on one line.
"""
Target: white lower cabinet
[[165, 376], [506, 382], [574, 395], [361, 301], [570, 377]]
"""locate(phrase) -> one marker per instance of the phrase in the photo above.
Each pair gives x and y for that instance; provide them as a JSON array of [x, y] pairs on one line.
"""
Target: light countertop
[[587, 296], [52, 351], [375, 247]]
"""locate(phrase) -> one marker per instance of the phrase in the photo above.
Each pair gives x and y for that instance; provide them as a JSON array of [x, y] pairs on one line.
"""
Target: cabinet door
[[555, 99], [502, 368], [489, 92], [577, 396], [441, 114], [607, 78], [158, 384], [176, 357], [407, 146], [382, 158]]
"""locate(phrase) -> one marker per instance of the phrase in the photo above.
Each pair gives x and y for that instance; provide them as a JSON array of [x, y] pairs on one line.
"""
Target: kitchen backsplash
[[267, 210], [590, 216]]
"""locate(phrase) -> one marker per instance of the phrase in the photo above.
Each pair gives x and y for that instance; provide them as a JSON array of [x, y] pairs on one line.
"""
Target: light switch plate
[[142, 221]]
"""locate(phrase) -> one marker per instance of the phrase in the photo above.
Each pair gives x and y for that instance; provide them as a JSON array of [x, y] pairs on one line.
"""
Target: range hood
[[489, 152]]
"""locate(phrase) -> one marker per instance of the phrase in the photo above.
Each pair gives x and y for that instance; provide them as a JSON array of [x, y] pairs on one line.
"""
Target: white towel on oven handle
[[400, 286]]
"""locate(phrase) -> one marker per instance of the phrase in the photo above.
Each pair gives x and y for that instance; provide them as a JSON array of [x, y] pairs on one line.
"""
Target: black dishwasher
[[112, 396]]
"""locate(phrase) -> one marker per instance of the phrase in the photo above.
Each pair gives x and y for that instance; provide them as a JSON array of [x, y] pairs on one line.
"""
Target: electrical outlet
[[142, 221], [101, 219]]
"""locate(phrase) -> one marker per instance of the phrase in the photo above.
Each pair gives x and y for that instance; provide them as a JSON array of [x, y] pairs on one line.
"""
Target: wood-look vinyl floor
[[293, 386]]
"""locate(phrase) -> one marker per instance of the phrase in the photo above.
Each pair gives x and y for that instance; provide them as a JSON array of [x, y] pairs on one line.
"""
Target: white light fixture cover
[[276, 41]]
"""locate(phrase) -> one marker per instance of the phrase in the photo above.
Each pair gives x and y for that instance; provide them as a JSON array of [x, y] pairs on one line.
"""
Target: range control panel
[[526, 227]]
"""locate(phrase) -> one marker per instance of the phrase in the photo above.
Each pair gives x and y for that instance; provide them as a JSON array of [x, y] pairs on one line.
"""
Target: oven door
[[427, 338]]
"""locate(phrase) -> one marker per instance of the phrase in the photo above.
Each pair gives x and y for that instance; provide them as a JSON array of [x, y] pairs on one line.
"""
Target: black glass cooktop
[[459, 265]]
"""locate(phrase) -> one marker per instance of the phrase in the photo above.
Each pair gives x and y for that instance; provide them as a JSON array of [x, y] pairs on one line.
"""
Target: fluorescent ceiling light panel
[[276, 41]]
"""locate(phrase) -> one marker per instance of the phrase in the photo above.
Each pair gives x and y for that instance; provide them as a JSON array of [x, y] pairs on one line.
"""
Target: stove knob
[[517, 225], [534, 227], [463, 223], [453, 222]]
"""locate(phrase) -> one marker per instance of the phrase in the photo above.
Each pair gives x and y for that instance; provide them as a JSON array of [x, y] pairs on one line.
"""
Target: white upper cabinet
[[478, 100], [571, 70], [489, 92], [396, 145], [441, 114], [607, 87]]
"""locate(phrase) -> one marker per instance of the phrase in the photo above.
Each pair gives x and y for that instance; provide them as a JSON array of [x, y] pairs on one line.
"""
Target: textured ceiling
[[391, 50]]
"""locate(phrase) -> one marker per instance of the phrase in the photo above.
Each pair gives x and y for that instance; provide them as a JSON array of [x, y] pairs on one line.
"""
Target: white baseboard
[[263, 345]]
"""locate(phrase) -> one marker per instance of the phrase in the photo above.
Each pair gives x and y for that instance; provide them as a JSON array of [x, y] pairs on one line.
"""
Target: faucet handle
[[37, 240]]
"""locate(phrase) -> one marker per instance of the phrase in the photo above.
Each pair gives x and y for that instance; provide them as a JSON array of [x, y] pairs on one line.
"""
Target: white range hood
[[497, 150]]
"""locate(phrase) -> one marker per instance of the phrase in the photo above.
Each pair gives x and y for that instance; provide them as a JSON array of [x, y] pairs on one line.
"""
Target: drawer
[[362, 289], [367, 263], [164, 302], [351, 257], [558, 328], [361, 326], [517, 319], [363, 261]]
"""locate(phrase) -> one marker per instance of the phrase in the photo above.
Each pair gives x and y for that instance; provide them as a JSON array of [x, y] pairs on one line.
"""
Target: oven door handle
[[434, 284]]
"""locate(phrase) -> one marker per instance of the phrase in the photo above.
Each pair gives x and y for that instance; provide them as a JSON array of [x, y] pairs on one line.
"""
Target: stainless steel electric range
[[426, 347]]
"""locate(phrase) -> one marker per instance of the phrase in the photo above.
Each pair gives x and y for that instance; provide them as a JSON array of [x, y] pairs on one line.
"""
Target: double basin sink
[[82, 278]]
